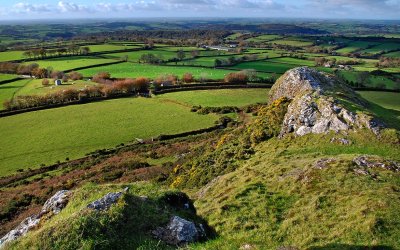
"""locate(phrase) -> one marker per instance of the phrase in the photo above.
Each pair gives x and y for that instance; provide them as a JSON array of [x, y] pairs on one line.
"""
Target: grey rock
[[342, 141], [314, 107], [178, 232], [105, 202], [324, 163], [365, 162], [55, 204]]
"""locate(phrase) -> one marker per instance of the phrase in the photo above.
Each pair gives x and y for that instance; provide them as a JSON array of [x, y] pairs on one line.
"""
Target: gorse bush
[[231, 149]]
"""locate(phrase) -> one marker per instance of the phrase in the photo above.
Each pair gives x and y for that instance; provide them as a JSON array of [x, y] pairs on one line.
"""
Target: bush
[[236, 78], [45, 82], [74, 76], [188, 78]]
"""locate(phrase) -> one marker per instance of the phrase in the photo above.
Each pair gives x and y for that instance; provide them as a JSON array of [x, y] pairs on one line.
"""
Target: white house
[[57, 82]]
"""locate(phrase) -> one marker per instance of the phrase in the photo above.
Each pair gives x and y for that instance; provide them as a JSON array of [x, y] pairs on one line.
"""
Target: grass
[[393, 54], [374, 81], [4, 77], [266, 66], [218, 98], [124, 226], [295, 43], [7, 91], [47, 136], [35, 87], [382, 47], [11, 55], [153, 71], [387, 100], [264, 38], [277, 198], [134, 56], [294, 61], [67, 63], [109, 47], [354, 46]]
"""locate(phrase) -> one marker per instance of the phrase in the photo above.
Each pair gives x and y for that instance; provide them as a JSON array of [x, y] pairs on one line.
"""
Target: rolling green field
[[4, 77], [296, 43], [71, 62], [11, 55], [393, 54], [263, 38], [382, 48], [110, 47], [294, 61], [7, 91], [152, 71], [218, 98], [46, 136], [266, 66], [134, 56], [35, 87], [387, 100], [354, 46]]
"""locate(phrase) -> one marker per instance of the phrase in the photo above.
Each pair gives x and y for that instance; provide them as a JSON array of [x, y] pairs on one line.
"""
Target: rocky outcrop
[[365, 162], [320, 103], [179, 232], [105, 202], [52, 206]]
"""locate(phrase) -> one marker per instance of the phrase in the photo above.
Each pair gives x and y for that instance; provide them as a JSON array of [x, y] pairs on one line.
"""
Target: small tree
[[45, 82], [187, 78], [181, 55]]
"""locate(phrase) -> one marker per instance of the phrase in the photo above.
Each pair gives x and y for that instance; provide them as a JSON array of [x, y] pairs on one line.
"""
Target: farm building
[[57, 82]]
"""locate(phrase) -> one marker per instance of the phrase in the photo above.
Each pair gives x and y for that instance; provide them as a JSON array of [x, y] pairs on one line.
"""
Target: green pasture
[[388, 100], [382, 48], [393, 54], [266, 66], [35, 87], [264, 38], [7, 91], [354, 46], [295, 43], [47, 136], [109, 47], [373, 81], [294, 61], [152, 71], [11, 55], [67, 63], [217, 98], [134, 56], [5, 77]]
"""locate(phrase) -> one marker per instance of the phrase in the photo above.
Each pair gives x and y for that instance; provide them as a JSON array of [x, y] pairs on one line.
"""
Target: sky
[[74, 9]]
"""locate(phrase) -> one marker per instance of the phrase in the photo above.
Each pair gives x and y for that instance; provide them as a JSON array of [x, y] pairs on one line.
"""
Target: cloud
[[72, 7], [24, 8]]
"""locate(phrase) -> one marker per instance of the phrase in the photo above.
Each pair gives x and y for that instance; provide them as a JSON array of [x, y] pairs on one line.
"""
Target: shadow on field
[[350, 247]]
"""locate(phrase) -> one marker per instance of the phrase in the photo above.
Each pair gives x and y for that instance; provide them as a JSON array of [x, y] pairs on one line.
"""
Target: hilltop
[[315, 168]]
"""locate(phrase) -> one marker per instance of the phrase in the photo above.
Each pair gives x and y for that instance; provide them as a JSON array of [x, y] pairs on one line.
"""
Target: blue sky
[[349, 9]]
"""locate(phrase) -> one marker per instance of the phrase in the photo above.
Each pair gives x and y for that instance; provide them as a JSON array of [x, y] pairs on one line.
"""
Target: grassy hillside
[[279, 198], [51, 135]]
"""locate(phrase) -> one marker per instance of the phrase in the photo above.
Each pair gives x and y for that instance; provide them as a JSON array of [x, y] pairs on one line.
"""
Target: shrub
[[45, 82], [236, 78], [75, 76], [188, 78]]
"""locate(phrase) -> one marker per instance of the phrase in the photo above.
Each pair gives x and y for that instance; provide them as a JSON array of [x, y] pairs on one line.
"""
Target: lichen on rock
[[319, 104]]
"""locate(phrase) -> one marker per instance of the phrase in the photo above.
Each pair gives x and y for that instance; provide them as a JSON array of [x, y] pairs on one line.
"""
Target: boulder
[[55, 204], [105, 202], [320, 103], [178, 232], [364, 162]]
